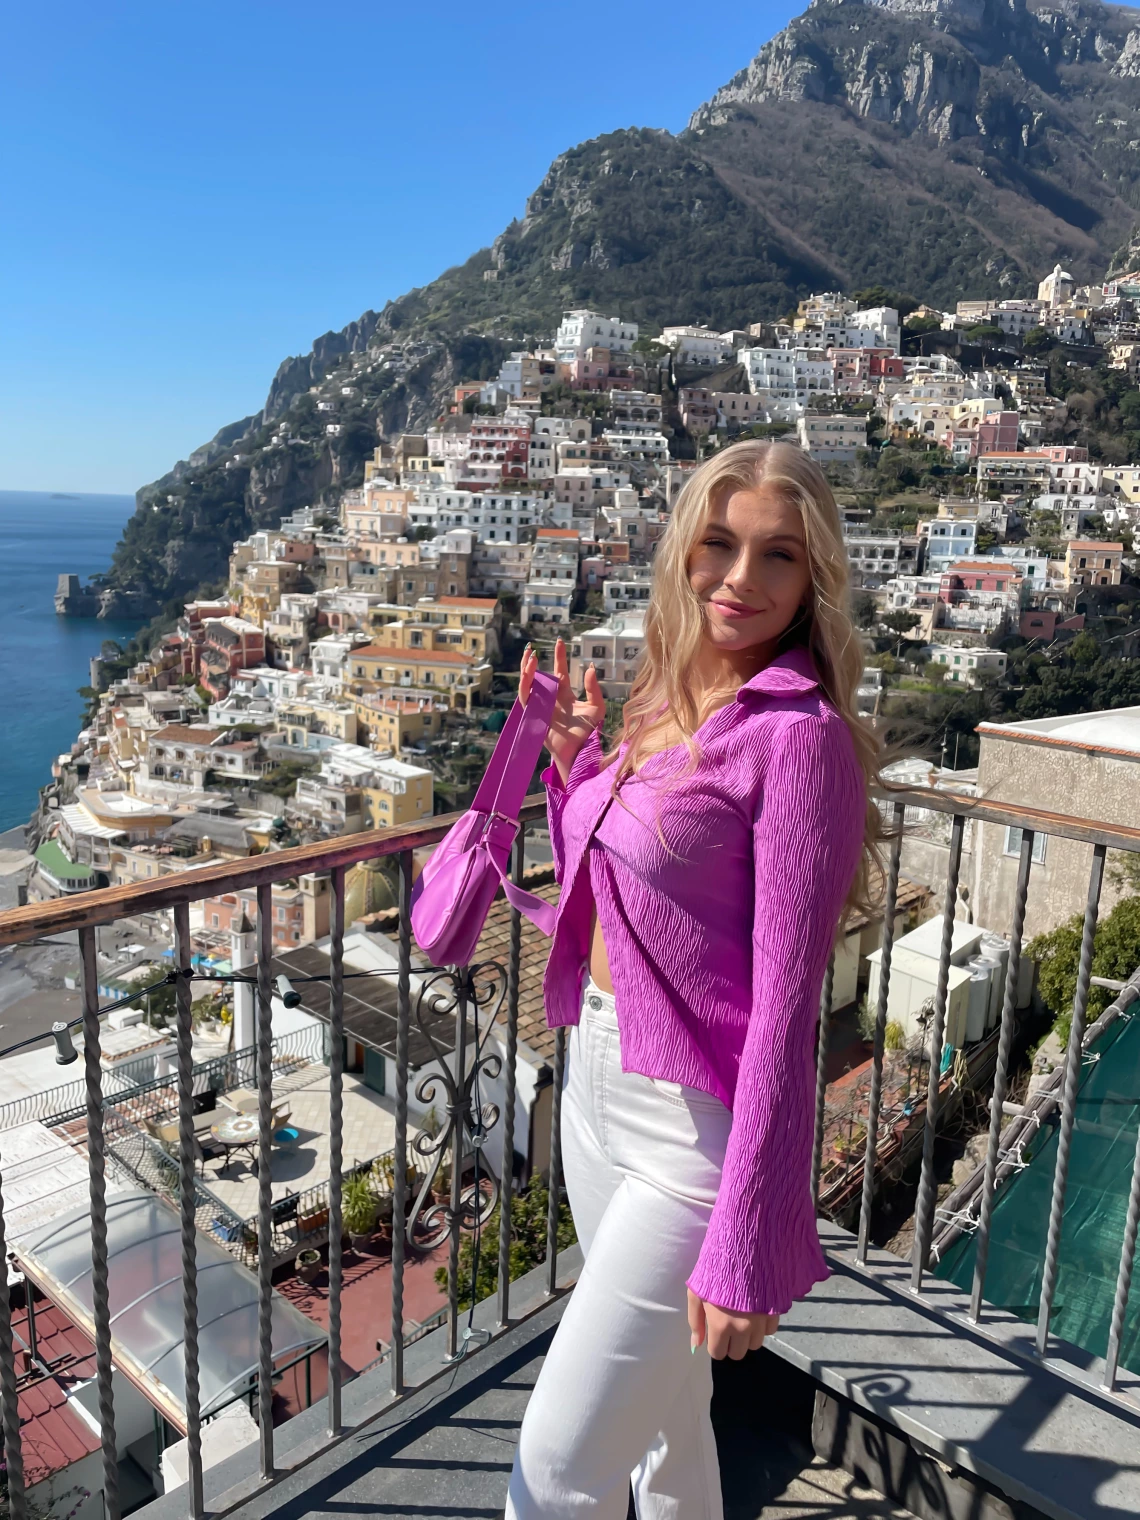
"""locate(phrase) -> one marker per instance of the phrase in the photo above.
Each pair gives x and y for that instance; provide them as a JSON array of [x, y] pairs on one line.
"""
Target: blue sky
[[198, 190]]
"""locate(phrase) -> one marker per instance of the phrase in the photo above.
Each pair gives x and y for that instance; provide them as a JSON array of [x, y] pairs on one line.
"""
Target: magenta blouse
[[719, 898]]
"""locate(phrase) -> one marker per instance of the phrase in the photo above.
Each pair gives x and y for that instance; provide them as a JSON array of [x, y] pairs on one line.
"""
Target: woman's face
[[750, 568]]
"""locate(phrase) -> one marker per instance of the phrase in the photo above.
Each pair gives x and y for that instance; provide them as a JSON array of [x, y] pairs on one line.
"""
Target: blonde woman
[[704, 865]]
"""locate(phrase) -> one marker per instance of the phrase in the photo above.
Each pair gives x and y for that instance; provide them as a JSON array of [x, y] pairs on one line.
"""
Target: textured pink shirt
[[718, 935]]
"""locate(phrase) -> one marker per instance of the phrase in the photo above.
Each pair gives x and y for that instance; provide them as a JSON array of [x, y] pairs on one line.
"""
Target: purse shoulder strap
[[516, 753]]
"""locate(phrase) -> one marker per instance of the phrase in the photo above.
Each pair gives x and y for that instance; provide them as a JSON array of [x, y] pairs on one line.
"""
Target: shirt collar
[[790, 674]]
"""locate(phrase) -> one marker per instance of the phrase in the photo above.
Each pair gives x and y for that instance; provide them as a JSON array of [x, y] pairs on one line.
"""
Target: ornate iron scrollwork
[[480, 990]]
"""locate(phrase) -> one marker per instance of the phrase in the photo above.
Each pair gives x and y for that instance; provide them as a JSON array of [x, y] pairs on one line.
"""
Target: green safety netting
[[1096, 1201]]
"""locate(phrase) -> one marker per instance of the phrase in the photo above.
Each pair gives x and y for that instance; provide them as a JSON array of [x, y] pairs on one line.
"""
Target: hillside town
[[354, 671]]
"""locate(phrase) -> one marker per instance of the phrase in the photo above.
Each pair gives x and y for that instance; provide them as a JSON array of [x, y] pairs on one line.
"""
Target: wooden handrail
[[104, 905]]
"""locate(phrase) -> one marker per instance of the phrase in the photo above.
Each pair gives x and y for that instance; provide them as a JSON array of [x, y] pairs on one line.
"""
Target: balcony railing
[[476, 996]]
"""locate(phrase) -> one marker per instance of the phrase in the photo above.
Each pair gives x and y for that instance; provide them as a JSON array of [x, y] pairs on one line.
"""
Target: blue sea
[[44, 658]]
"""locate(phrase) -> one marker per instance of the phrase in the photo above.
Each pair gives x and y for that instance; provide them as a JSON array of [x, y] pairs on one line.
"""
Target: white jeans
[[620, 1395]]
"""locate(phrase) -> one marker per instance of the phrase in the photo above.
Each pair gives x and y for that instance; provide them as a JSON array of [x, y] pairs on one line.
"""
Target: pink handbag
[[453, 894]]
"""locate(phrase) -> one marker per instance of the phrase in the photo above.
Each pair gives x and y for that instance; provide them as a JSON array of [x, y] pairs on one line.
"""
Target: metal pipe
[[400, 1141], [1124, 1273], [97, 1189], [507, 1169], [1001, 1076], [554, 1195], [927, 1187], [823, 1045], [9, 1397], [1072, 1079], [265, 1175], [336, 1144], [186, 1208], [875, 1098]]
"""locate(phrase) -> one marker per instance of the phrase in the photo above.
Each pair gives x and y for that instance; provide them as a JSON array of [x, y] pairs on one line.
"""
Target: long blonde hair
[[664, 694]]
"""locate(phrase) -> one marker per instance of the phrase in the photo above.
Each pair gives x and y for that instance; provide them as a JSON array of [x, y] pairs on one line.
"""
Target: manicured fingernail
[[693, 1346]]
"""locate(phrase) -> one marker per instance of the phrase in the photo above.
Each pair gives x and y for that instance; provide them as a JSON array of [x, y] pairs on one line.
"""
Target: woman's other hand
[[572, 721], [725, 1333]]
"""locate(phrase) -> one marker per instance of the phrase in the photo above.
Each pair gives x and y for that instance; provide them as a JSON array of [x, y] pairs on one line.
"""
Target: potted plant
[[384, 1211], [358, 1206], [307, 1265], [441, 1187]]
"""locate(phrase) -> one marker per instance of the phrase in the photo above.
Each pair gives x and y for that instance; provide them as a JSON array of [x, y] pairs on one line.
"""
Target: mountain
[[943, 148]]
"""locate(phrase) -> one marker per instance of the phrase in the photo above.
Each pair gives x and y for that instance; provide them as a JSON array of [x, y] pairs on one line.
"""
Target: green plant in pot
[[358, 1208]]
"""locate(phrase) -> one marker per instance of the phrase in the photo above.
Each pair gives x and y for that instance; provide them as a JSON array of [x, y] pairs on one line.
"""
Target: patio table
[[237, 1132]]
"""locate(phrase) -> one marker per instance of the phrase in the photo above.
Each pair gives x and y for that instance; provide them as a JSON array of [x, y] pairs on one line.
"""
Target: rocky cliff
[[944, 148]]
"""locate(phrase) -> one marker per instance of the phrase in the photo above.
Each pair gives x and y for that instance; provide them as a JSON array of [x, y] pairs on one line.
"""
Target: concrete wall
[[1058, 779]]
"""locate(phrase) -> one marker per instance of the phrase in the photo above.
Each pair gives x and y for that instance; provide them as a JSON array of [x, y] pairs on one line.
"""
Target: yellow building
[[297, 718], [377, 509], [1090, 563], [466, 624], [460, 678], [1123, 479], [403, 796], [392, 720]]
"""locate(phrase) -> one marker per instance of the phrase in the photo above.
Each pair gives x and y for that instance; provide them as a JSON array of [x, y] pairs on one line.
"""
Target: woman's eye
[[781, 554]]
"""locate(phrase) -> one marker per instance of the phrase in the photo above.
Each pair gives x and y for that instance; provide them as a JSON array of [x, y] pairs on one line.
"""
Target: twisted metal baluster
[[9, 1398], [1069, 1102], [823, 1042], [875, 1098], [457, 1156], [928, 1186], [400, 1142], [336, 1143], [554, 1197], [97, 1189], [1001, 1075], [507, 1171], [265, 1176], [186, 1205], [1124, 1272]]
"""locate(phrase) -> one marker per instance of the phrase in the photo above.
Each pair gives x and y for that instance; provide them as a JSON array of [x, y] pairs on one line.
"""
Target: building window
[[1013, 845], [214, 919]]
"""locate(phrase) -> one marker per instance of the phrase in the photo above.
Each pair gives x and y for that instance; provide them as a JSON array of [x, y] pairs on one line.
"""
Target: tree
[[1037, 341], [864, 609], [1116, 954], [900, 623]]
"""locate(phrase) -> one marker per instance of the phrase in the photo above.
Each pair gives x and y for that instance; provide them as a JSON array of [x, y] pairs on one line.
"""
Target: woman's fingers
[[594, 694], [561, 663], [526, 674], [696, 1320]]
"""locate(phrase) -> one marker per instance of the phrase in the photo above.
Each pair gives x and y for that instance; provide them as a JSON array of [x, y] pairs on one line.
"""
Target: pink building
[[230, 644]]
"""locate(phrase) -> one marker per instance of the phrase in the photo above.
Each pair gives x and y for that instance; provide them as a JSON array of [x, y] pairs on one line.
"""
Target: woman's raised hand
[[573, 721]]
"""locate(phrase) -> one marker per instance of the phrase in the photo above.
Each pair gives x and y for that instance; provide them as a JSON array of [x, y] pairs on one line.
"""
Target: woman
[[704, 865]]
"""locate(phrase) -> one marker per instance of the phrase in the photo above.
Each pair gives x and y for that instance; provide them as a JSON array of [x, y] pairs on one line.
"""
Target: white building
[[964, 665], [645, 447], [613, 649], [553, 577], [787, 377], [580, 330], [948, 539], [697, 346], [831, 437], [627, 590], [492, 516]]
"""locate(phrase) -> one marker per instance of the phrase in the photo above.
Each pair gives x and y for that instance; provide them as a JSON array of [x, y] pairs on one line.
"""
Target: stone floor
[[369, 1130], [447, 1450]]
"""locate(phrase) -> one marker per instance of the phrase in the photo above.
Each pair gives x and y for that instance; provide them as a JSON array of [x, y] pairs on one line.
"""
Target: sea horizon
[[45, 658]]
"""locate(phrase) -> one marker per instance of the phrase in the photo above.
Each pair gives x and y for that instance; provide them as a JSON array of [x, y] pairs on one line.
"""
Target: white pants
[[620, 1395]]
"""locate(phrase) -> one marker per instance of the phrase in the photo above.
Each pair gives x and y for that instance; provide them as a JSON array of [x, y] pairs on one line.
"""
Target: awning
[[144, 1248]]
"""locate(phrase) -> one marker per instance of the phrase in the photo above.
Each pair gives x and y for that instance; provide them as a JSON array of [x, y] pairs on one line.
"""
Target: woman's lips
[[734, 609]]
